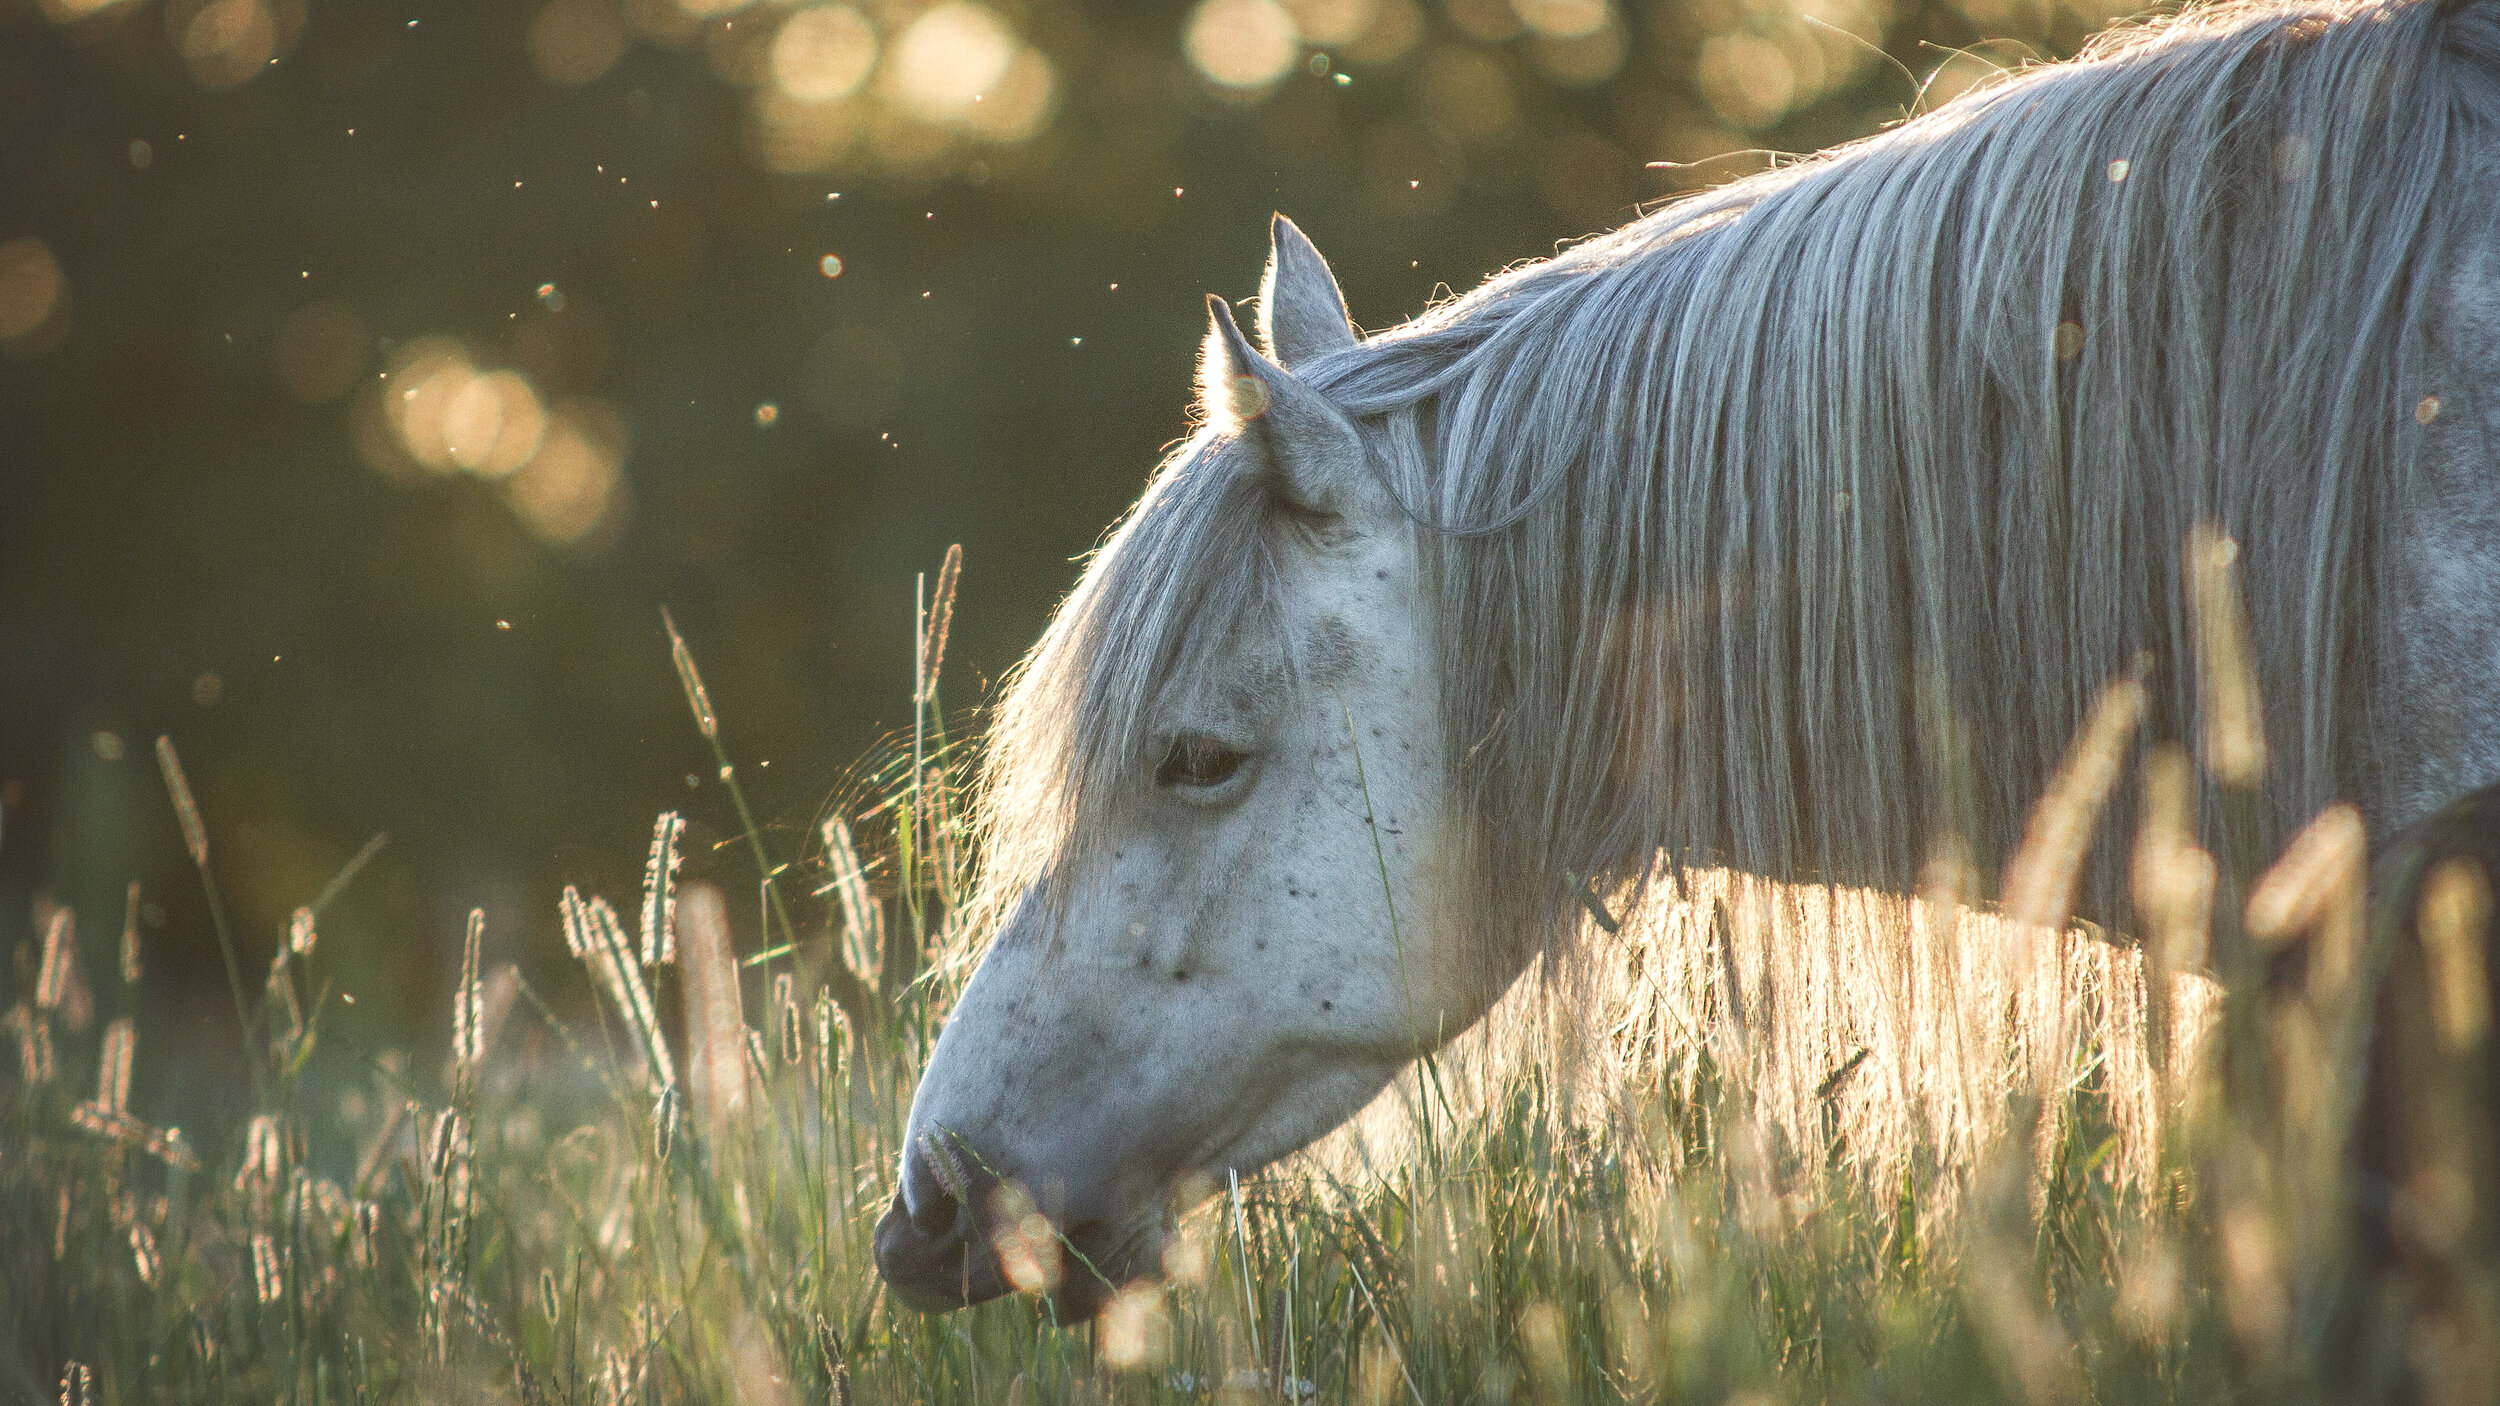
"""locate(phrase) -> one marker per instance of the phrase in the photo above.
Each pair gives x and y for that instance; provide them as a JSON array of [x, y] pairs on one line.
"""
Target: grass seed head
[[186, 810], [659, 891], [2455, 923], [131, 968], [698, 699]]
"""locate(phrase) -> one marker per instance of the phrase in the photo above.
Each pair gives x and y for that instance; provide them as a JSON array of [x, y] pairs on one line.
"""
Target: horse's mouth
[[957, 1268]]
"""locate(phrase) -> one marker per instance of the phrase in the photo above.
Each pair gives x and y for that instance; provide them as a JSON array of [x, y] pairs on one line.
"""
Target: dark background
[[211, 528]]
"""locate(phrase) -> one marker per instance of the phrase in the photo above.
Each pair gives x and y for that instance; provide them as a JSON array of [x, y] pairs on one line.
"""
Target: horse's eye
[[1198, 760]]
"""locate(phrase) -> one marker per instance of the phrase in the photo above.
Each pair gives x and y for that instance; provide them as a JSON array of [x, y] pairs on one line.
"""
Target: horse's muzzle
[[934, 1243], [932, 1247]]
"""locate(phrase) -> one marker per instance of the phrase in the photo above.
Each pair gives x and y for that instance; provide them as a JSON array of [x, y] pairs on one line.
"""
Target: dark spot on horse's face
[[1258, 944], [1144, 961], [1381, 575], [1180, 976], [1329, 652], [1328, 1005]]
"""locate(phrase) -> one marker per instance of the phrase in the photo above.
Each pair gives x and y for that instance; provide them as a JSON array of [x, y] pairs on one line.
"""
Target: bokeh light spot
[[1394, 29], [1244, 45], [950, 56], [1563, 19], [830, 265], [1488, 20], [424, 379], [1747, 79], [1020, 103], [1333, 21], [572, 42], [571, 488], [69, 11], [1580, 60], [767, 415], [790, 135], [494, 425], [823, 53], [225, 42], [33, 295]]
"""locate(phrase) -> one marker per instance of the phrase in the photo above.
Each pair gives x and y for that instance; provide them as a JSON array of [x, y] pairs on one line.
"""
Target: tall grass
[[1761, 1145]]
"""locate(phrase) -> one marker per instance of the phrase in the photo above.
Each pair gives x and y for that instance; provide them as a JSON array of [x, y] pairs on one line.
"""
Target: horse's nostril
[[941, 1195], [930, 1245], [936, 1214]]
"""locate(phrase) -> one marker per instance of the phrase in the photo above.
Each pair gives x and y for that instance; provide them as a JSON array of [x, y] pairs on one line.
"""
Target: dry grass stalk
[[2173, 878], [592, 931], [186, 810], [2455, 922], [2235, 726], [698, 699], [2040, 881], [659, 891], [2317, 889], [931, 803], [264, 1155], [60, 983], [1926, 1010], [468, 1006], [281, 989], [131, 967], [112, 1094], [785, 1017], [716, 1031], [35, 1058], [863, 918]]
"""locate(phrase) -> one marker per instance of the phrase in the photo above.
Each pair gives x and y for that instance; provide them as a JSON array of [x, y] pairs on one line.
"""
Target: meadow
[[1753, 1146]]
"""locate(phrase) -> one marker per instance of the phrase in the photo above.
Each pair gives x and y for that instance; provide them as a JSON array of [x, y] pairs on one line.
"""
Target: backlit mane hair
[[1799, 523]]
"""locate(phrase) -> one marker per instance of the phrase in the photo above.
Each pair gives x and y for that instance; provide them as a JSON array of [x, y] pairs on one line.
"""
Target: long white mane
[[1797, 525]]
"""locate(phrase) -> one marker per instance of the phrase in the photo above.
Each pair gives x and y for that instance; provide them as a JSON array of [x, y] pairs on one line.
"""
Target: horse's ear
[[1301, 313], [1314, 452]]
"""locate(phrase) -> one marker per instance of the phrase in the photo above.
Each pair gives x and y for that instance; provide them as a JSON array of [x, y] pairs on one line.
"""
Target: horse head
[[1215, 806]]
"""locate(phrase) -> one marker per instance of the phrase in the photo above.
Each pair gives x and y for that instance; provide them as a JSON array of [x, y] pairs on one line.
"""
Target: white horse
[[1791, 529]]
